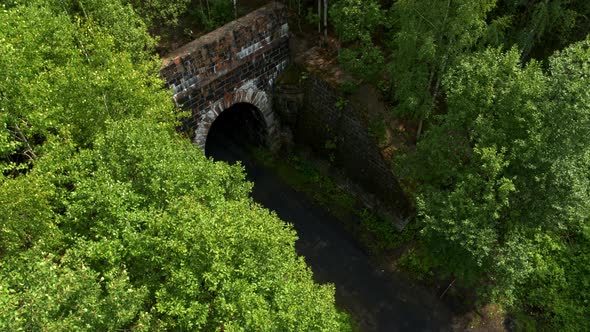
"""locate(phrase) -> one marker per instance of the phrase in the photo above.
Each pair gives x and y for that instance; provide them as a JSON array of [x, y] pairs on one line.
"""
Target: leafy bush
[[110, 220], [504, 178]]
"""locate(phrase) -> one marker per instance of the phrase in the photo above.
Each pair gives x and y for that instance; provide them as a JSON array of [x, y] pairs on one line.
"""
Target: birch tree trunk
[[208, 10], [320, 16], [299, 15], [326, 18]]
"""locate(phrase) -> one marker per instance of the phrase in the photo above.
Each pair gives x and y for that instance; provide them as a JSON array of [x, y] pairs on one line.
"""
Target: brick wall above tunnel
[[253, 48], [242, 58]]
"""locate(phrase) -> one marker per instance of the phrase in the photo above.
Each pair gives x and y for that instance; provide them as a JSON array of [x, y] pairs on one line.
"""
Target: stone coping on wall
[[247, 21], [249, 40]]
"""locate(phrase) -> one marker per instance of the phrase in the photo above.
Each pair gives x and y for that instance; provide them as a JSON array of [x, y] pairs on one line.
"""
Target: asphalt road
[[377, 300]]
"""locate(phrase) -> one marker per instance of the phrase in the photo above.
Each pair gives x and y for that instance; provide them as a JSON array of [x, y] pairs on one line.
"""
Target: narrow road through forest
[[377, 300]]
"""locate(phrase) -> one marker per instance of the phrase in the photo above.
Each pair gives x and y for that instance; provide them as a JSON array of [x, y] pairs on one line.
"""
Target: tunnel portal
[[240, 127]]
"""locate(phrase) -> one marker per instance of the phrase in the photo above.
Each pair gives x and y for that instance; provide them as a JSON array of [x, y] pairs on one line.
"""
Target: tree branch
[[21, 137]]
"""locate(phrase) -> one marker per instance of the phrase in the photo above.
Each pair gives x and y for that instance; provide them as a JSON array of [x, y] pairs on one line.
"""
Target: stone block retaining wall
[[339, 132]]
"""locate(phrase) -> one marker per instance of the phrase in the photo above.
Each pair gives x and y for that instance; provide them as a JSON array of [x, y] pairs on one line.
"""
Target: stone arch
[[248, 93]]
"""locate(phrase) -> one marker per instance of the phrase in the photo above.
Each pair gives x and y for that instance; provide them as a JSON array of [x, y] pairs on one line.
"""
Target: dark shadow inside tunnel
[[234, 132]]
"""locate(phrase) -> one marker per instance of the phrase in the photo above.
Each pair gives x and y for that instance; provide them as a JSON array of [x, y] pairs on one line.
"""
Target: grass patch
[[380, 236], [522, 322], [303, 176], [415, 263]]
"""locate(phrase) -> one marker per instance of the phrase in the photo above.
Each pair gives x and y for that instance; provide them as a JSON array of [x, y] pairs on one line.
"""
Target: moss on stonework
[[291, 75]]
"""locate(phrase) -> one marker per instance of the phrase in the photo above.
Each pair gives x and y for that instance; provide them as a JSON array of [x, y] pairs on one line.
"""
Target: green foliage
[[161, 15], [503, 181], [348, 87], [524, 323], [356, 19], [364, 61], [58, 71], [312, 17], [25, 213], [182, 18], [538, 27], [109, 220], [158, 12], [417, 264], [333, 139], [341, 103], [355, 22], [377, 129], [502, 173], [380, 235], [425, 38], [430, 35], [40, 293], [213, 13], [122, 23], [185, 229], [461, 223]]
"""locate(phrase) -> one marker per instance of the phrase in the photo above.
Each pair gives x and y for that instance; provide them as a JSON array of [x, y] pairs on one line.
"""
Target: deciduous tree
[[109, 219]]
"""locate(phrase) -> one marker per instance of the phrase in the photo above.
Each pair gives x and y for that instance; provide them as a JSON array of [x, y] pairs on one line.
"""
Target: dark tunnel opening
[[234, 132]]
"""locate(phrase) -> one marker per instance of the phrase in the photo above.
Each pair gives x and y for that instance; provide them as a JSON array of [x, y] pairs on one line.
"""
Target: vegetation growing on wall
[[176, 23]]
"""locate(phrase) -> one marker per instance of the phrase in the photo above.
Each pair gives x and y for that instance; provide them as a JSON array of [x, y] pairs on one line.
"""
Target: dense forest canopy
[[500, 171], [111, 220]]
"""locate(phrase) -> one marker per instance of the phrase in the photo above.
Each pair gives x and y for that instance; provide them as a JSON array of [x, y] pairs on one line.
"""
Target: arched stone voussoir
[[219, 70], [246, 94]]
